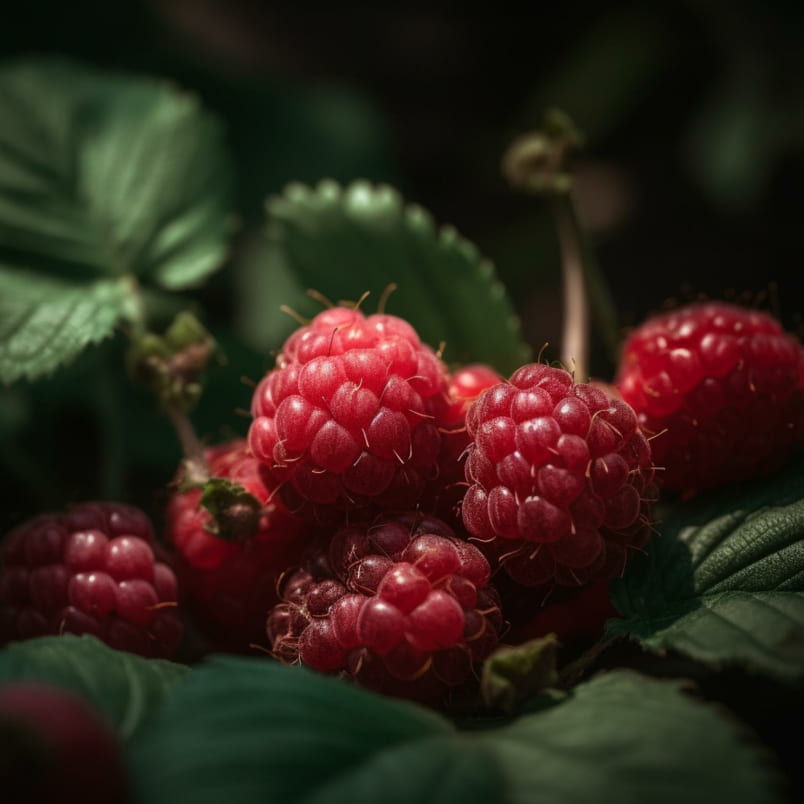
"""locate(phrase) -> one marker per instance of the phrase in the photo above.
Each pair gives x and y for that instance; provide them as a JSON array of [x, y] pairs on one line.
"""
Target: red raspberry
[[559, 473], [60, 750], [465, 385], [349, 417], [727, 385], [230, 585], [402, 606], [89, 571]]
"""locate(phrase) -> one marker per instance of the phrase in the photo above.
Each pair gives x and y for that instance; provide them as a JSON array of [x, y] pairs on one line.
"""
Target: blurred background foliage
[[690, 182]]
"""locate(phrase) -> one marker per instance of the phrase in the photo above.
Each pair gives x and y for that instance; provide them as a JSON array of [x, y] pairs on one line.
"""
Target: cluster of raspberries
[[402, 513]]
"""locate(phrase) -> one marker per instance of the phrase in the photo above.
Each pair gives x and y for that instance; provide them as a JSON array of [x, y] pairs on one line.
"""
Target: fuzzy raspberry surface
[[92, 570], [61, 750], [229, 586], [350, 415], [560, 476], [723, 385], [401, 606]]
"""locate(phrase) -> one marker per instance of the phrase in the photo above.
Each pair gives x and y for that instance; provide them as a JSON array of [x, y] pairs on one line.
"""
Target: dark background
[[690, 182]]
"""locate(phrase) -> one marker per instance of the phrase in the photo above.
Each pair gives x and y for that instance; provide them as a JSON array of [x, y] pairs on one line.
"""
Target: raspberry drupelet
[[92, 570], [229, 584], [401, 606], [560, 478], [721, 386], [350, 415]]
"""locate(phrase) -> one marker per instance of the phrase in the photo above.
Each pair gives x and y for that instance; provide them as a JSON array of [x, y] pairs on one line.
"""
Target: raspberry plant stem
[[575, 337], [195, 465], [538, 164]]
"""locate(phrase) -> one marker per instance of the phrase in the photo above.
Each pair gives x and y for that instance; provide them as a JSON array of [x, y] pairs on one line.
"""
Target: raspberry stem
[[575, 337], [196, 470], [172, 365], [538, 163]]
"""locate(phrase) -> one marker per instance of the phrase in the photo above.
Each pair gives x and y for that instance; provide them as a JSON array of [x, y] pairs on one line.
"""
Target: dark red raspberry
[[89, 571], [559, 473], [401, 606], [229, 586], [445, 494], [60, 749], [349, 417], [727, 385]]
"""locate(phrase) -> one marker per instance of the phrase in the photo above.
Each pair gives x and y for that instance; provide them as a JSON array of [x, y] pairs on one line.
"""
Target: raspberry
[[59, 749], [559, 473], [230, 585], [401, 606], [727, 385], [89, 571], [465, 385], [349, 417]]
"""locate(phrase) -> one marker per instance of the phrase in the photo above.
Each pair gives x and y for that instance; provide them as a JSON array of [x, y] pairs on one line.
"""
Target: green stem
[[574, 671]]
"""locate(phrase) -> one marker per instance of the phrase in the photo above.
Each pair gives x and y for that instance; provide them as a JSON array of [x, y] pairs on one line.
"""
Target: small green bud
[[512, 674], [172, 365]]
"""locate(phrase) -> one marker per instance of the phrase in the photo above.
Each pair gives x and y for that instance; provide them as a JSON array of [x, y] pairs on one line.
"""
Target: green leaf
[[108, 174], [126, 688], [45, 321], [624, 738], [724, 582], [104, 178], [345, 241], [245, 731]]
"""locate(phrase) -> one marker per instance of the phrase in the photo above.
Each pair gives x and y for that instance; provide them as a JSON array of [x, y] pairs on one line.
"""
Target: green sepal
[[235, 512], [512, 674]]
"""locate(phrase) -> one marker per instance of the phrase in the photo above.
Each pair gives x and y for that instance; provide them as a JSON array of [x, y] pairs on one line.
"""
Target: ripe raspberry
[[444, 496], [89, 571], [559, 473], [402, 606], [59, 749], [349, 417], [230, 585], [726, 383]]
